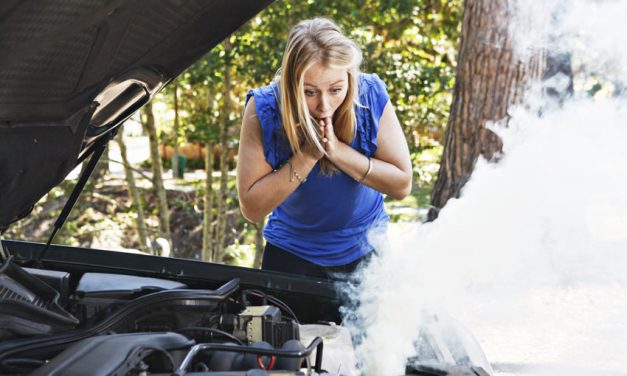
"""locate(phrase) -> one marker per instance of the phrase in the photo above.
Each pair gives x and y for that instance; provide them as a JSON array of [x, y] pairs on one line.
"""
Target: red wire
[[270, 365]]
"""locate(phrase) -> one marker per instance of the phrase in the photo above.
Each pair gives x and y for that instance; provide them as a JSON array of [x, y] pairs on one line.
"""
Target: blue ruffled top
[[327, 218]]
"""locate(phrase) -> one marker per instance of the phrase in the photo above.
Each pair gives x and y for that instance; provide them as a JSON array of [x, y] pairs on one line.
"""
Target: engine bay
[[113, 324], [96, 312]]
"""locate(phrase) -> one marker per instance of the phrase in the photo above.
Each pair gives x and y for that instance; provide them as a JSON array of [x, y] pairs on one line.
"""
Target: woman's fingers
[[329, 132], [323, 133]]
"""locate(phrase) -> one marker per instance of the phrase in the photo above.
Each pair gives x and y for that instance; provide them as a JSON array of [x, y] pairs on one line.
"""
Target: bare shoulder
[[250, 122], [392, 146]]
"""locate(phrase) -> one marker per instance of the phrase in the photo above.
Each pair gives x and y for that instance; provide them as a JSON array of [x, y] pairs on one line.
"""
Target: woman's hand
[[388, 171], [329, 139]]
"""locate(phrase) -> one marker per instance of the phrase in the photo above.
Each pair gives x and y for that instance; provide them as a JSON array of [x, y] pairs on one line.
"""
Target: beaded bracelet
[[294, 174], [367, 171]]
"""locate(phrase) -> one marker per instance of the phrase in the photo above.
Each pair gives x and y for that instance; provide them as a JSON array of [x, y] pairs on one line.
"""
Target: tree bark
[[259, 246], [207, 227], [175, 135], [224, 148], [134, 195], [157, 175], [489, 79]]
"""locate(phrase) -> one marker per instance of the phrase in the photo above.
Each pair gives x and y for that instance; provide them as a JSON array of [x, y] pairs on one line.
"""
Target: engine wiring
[[211, 330], [273, 300]]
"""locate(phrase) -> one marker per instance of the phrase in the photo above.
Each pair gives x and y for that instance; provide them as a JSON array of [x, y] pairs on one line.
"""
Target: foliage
[[410, 44]]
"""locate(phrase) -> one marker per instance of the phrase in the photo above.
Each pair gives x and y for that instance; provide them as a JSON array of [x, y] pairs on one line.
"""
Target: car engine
[[113, 324]]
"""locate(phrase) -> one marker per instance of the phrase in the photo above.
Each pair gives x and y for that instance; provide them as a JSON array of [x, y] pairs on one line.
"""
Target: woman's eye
[[310, 93], [336, 90]]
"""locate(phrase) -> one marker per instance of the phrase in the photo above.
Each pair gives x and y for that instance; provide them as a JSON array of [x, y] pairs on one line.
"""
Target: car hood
[[73, 70]]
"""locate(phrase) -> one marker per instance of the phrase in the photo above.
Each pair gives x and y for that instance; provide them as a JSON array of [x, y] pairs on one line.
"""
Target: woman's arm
[[391, 171], [261, 189]]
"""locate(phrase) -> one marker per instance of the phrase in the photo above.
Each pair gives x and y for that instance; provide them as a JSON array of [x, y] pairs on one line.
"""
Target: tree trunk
[[134, 194], [259, 246], [157, 178], [207, 227], [489, 79], [224, 148], [175, 135]]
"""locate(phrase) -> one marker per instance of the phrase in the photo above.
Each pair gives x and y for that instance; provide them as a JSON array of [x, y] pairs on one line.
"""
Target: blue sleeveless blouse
[[326, 220]]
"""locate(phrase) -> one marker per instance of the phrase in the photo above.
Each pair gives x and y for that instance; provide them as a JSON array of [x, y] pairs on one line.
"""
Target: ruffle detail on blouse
[[275, 145], [374, 96]]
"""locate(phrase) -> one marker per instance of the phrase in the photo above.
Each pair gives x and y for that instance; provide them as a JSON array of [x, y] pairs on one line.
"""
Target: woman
[[318, 147]]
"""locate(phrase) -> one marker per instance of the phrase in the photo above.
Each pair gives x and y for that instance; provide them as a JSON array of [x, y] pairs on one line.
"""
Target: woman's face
[[325, 90]]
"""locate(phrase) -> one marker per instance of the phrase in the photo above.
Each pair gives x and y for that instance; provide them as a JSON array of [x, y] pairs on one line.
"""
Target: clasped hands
[[329, 140]]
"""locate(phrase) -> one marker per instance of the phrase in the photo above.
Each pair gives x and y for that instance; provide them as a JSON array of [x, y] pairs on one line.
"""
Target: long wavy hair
[[313, 41]]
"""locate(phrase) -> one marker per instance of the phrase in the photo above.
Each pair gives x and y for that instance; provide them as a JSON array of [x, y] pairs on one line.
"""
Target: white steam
[[533, 257], [592, 30]]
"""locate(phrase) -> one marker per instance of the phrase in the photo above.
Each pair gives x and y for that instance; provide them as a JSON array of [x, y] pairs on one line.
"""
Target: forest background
[[182, 201]]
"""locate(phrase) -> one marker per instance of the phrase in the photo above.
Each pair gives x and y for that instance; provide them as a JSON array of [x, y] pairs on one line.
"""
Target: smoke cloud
[[533, 257]]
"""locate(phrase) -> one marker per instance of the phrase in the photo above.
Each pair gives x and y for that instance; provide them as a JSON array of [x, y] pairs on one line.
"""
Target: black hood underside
[[72, 70]]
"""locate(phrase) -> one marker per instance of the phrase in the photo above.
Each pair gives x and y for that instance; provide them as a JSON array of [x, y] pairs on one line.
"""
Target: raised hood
[[72, 70]]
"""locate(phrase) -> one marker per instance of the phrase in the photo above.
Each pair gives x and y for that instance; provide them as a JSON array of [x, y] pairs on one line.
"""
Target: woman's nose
[[323, 105]]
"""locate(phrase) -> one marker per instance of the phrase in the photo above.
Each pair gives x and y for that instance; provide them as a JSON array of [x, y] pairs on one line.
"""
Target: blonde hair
[[313, 41]]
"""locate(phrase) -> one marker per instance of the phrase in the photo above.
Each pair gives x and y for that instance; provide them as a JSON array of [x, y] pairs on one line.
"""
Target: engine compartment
[[95, 312], [114, 324]]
